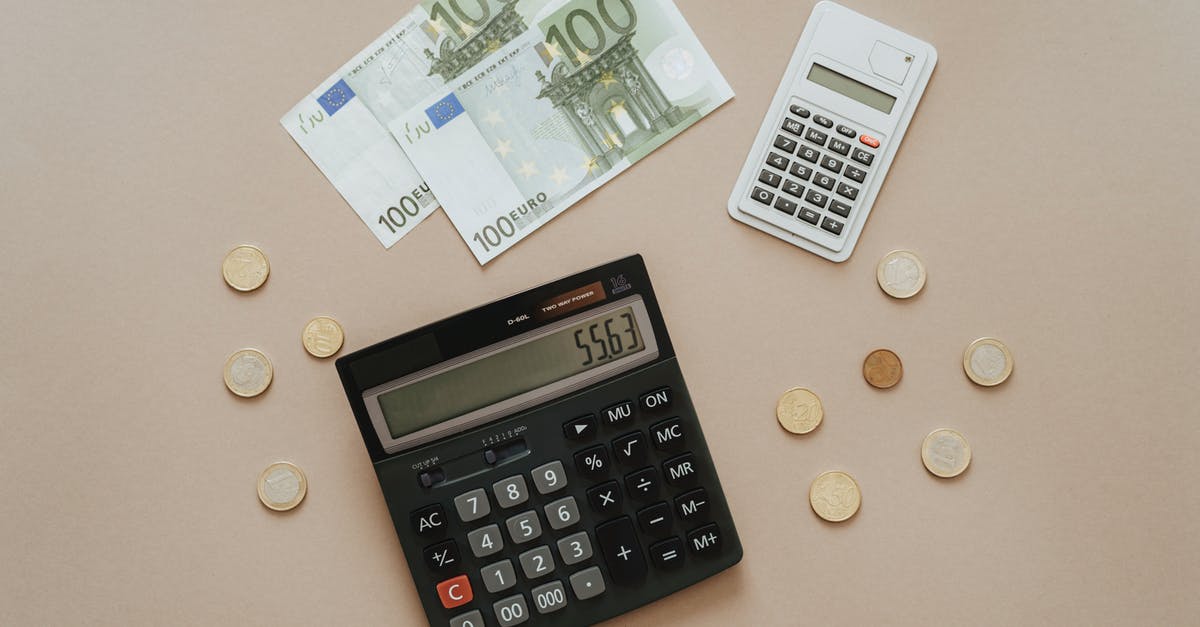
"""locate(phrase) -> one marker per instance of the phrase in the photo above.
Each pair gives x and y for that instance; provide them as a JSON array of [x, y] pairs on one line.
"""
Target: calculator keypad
[[842, 159]]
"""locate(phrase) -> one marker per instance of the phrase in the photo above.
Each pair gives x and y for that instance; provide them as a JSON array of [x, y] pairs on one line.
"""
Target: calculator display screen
[[512, 370], [851, 88]]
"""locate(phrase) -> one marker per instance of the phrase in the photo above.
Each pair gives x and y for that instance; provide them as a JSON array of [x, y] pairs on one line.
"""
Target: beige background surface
[[1047, 179]]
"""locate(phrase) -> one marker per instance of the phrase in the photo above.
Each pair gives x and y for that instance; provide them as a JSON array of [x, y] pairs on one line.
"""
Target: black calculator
[[540, 455]]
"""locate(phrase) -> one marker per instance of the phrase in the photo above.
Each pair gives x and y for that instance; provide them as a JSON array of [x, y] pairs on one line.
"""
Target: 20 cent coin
[[799, 410], [901, 274], [282, 486], [322, 336], [245, 268], [834, 496], [248, 372], [882, 368], [987, 361], [945, 453]]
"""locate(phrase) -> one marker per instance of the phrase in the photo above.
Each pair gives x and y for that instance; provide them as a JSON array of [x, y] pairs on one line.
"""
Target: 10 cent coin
[[799, 410], [901, 274], [248, 372], [987, 361], [882, 368], [834, 496], [282, 486], [945, 453], [322, 336], [245, 268]]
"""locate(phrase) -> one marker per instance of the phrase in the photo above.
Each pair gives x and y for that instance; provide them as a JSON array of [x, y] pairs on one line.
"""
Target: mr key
[[551, 471]]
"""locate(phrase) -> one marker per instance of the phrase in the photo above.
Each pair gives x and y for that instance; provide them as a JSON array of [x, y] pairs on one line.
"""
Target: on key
[[619, 545]]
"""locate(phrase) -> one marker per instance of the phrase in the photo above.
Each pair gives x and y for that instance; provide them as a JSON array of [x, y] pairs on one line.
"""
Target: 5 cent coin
[[882, 368], [834, 496], [799, 410]]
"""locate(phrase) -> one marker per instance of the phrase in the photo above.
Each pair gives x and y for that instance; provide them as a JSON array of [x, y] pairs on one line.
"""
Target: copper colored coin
[[882, 368]]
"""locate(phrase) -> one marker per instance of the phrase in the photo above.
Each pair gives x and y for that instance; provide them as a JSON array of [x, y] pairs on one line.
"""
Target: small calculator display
[[540, 455]]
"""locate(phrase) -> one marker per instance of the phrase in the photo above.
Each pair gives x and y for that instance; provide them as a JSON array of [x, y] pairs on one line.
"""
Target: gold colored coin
[[945, 453], [282, 486], [322, 336], [799, 410], [882, 368], [834, 496], [248, 372], [901, 274], [987, 361], [245, 268]]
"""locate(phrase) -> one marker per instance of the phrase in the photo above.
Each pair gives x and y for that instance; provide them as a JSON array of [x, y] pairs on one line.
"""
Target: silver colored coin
[[248, 373], [945, 453], [987, 361], [901, 274], [282, 486]]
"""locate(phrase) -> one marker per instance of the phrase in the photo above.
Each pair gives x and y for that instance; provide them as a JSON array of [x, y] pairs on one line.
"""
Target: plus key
[[622, 552]]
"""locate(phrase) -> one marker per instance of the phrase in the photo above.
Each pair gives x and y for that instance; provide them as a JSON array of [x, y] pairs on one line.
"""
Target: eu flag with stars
[[336, 97], [444, 110]]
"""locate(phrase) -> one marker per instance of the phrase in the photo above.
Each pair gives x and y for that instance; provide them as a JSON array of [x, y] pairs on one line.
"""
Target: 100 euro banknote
[[585, 89]]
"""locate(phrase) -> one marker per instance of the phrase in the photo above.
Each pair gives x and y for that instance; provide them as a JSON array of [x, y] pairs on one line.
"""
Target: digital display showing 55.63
[[511, 371]]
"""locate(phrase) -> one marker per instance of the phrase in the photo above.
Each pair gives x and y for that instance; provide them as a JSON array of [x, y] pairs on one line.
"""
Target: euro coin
[[882, 368], [245, 268], [901, 274], [945, 453], [248, 372], [282, 486], [799, 410], [322, 336], [987, 361], [834, 496]]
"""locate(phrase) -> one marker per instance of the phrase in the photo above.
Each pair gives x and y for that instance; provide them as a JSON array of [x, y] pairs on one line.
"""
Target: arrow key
[[580, 428]]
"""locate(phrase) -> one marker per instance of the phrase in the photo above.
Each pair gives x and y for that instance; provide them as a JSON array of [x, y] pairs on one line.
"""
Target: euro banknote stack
[[503, 112]]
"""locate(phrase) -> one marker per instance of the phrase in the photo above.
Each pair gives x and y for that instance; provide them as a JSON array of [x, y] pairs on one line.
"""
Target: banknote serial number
[[505, 227]]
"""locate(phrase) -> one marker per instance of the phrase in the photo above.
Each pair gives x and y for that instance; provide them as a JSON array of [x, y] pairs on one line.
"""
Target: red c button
[[455, 591], [870, 141]]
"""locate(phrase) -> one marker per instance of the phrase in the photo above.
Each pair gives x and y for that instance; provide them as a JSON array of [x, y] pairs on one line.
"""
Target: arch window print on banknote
[[550, 100]]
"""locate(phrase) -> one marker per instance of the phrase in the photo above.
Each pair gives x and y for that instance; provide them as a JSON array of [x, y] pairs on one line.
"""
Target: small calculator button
[[786, 206], [797, 110], [587, 583], [847, 191], [630, 449], [511, 610], [642, 484], [809, 216], [831, 225], [442, 555], [472, 505], [429, 520], [455, 591], [769, 178], [511, 492], [661, 399], [831, 164], [620, 413], [840, 147], [680, 471], [499, 576], [536, 562], [801, 171], [655, 521], [870, 141], [793, 188], [762, 195], [524, 527], [619, 546], [793, 126], [692, 505], [485, 541], [856, 175], [824, 180], [592, 462], [840, 208], [777, 160], [705, 540], [847, 131], [667, 554], [547, 478], [667, 435], [575, 548], [473, 618], [562, 513], [785, 144], [808, 154], [862, 156], [580, 428], [605, 497], [550, 597], [816, 198], [823, 121], [816, 137]]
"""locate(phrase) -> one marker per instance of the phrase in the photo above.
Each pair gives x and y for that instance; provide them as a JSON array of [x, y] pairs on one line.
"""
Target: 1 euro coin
[[282, 486], [799, 411], [901, 274], [945, 453], [248, 372], [987, 361]]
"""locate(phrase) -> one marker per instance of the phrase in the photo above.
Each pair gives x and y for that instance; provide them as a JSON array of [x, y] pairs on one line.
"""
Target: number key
[[776, 160], [562, 513], [511, 610], [824, 180], [485, 541], [801, 171], [499, 576], [770, 178], [575, 548], [793, 188], [511, 492], [816, 198], [808, 154], [472, 505], [831, 164], [549, 477], [785, 144], [537, 562], [524, 527], [550, 597]]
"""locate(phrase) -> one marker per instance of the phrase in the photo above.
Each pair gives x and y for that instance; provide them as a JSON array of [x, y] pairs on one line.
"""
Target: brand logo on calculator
[[619, 284]]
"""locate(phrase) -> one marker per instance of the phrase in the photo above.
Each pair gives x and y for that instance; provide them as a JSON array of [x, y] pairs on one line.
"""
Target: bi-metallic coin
[[987, 361], [901, 274], [945, 453], [248, 372], [282, 486]]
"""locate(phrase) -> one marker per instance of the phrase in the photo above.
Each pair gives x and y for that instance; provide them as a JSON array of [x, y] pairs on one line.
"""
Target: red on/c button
[[870, 141], [455, 591]]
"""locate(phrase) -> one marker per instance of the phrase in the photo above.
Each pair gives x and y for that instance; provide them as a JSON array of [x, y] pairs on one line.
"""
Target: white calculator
[[833, 128]]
